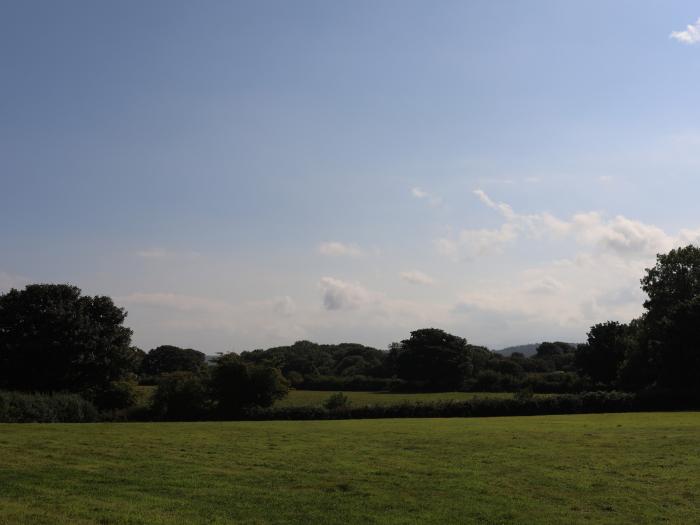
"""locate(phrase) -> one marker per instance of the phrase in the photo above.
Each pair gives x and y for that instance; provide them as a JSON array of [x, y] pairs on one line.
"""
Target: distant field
[[609, 468], [315, 397]]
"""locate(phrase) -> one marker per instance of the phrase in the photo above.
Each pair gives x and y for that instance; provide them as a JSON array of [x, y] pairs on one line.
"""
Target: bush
[[337, 400], [181, 396], [16, 407], [117, 395], [236, 385], [590, 402]]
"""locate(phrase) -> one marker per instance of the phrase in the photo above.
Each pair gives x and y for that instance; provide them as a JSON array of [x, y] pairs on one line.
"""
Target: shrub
[[16, 407], [236, 385], [337, 400], [117, 395], [180, 396]]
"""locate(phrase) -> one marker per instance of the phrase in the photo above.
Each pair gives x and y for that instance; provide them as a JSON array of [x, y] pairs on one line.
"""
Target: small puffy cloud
[[433, 200], [341, 295], [416, 277], [418, 193], [339, 249], [691, 35], [621, 235]]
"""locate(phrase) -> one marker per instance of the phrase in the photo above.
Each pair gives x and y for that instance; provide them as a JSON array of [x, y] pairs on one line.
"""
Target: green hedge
[[18, 407], [586, 403]]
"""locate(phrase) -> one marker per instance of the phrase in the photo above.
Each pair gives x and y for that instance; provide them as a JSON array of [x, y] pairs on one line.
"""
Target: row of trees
[[52, 338]]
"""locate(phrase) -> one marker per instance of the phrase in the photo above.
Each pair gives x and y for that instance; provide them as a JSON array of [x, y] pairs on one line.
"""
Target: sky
[[240, 175]]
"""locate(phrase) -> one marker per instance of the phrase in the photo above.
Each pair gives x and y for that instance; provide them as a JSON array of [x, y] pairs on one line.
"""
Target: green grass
[[317, 397], [610, 468]]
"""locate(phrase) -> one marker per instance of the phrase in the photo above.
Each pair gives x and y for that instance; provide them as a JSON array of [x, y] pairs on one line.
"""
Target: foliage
[[672, 320], [167, 358], [181, 396], [306, 360], [116, 395], [601, 357], [443, 360], [236, 384], [20, 407], [336, 401], [54, 339]]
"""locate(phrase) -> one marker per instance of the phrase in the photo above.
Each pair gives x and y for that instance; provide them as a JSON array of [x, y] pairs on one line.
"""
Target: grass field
[[610, 468], [315, 397]]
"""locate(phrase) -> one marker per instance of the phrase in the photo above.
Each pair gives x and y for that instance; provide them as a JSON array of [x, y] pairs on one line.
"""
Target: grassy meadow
[[317, 397], [297, 398], [609, 468]]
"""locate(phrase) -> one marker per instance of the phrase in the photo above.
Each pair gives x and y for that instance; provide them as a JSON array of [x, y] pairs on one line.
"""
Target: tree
[[53, 338], [167, 358], [671, 345], [236, 385], [440, 359], [181, 396], [602, 356]]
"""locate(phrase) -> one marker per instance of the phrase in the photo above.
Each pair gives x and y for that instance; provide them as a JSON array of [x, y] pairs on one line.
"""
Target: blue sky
[[241, 175]]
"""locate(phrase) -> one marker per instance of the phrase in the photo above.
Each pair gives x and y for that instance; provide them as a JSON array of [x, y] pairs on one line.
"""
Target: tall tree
[[53, 338], [672, 319], [440, 359], [602, 355]]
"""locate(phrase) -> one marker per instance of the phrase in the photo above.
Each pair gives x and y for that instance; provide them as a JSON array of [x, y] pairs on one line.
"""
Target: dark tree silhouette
[[53, 338]]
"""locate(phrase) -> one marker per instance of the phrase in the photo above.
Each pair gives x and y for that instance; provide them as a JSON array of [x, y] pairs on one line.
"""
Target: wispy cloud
[[432, 200], [691, 35], [416, 277], [620, 235], [339, 249]]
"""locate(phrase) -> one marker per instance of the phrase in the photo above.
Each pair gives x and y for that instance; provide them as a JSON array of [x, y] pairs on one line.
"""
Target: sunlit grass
[[609, 468], [315, 397]]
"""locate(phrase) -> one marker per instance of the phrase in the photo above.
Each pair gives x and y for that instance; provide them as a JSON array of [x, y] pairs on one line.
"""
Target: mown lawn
[[317, 397], [610, 468]]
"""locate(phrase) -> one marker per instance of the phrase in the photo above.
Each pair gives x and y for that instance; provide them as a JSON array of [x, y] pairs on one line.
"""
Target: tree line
[[54, 339]]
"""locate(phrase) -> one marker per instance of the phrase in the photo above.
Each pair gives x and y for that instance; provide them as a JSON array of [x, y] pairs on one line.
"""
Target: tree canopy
[[53, 338], [167, 358]]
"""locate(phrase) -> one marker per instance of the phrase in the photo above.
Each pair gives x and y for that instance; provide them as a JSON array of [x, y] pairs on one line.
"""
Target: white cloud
[[341, 295], [433, 200], [620, 235], [339, 249], [691, 35], [416, 277]]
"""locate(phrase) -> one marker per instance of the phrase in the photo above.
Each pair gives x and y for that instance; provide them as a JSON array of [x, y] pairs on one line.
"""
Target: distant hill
[[526, 350]]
